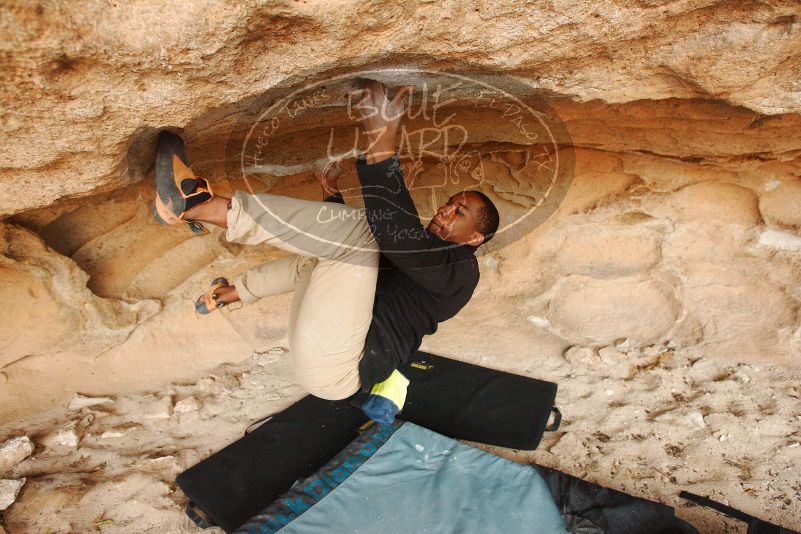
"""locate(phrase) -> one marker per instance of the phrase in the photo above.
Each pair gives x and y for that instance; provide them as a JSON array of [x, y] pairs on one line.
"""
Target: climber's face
[[456, 220]]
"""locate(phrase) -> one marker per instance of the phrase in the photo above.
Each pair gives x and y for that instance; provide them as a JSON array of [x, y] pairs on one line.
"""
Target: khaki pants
[[333, 270]]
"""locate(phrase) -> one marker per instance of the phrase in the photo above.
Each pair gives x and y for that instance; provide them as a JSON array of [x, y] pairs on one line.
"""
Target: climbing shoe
[[177, 188], [208, 302]]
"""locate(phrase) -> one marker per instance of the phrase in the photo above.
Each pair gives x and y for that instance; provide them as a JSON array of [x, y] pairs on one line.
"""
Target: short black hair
[[487, 219]]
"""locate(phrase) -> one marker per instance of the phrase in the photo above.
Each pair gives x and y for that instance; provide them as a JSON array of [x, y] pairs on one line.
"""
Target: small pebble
[[9, 489], [698, 419]]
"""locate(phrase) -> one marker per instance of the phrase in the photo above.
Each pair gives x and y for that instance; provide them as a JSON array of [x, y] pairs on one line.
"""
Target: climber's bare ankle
[[214, 212], [228, 294]]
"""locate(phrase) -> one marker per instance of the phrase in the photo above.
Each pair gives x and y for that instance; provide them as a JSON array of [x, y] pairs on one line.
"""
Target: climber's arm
[[433, 263]]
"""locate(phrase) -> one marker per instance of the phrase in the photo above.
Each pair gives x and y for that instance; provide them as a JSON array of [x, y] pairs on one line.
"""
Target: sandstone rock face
[[601, 311], [719, 202], [608, 250], [132, 68], [779, 205], [54, 309], [735, 317], [678, 225]]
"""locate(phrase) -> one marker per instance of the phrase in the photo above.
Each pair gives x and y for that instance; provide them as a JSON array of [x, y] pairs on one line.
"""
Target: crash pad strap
[[720, 507]]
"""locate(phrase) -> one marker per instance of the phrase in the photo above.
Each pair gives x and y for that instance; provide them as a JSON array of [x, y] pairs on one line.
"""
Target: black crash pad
[[453, 398]]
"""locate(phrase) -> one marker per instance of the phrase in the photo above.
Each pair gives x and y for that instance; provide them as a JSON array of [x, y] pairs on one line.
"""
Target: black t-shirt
[[423, 280]]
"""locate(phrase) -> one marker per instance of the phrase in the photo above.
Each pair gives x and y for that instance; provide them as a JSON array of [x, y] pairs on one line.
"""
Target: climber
[[369, 284]]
